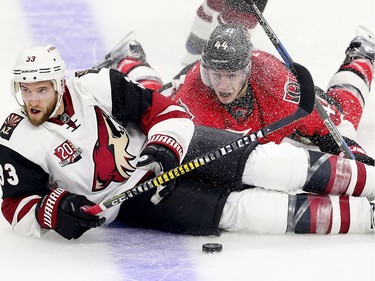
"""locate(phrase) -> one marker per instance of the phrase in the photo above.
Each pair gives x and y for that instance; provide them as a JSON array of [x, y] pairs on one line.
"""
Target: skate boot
[[128, 47], [362, 46]]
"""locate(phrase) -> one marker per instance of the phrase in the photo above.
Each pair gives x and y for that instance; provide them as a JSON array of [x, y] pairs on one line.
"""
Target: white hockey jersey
[[92, 149]]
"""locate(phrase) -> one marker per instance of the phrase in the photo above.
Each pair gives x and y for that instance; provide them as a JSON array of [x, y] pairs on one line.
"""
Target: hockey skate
[[362, 46], [128, 47]]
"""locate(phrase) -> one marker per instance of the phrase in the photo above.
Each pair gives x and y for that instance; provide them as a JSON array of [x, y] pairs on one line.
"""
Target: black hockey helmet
[[228, 48]]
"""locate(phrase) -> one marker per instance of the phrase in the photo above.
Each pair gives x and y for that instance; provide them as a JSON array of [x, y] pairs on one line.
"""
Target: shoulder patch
[[292, 91], [9, 125]]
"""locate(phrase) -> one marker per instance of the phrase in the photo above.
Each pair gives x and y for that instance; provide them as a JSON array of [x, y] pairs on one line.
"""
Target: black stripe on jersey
[[129, 99], [21, 177]]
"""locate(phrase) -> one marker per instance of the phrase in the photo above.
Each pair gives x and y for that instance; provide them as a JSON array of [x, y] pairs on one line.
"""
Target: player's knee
[[256, 209], [282, 167]]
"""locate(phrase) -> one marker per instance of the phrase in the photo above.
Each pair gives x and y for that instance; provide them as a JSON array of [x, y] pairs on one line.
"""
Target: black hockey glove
[[327, 144], [62, 212], [358, 152], [364, 158], [158, 158]]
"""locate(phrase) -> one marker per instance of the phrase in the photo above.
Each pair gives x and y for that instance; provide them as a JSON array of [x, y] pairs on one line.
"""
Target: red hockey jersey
[[275, 92]]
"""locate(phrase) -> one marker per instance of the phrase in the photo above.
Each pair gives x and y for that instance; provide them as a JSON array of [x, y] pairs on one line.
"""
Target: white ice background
[[315, 34]]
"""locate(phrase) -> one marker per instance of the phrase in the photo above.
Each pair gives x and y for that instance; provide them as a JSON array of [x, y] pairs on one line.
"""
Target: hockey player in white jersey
[[97, 132], [66, 135]]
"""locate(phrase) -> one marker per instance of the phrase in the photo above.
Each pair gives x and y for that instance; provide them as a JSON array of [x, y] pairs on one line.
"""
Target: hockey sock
[[330, 174], [324, 214]]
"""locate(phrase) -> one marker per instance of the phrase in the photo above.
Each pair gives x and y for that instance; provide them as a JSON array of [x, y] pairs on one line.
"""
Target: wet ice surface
[[315, 34]]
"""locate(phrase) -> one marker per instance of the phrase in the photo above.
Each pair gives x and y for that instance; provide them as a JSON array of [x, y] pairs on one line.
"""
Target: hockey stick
[[289, 62], [305, 107]]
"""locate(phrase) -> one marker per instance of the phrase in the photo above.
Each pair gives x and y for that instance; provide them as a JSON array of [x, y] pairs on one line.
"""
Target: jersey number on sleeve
[[8, 173]]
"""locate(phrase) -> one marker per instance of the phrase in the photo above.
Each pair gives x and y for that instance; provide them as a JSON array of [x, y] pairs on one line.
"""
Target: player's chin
[[37, 119], [226, 98]]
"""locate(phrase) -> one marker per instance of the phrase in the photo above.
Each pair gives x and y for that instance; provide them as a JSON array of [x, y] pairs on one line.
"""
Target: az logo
[[9, 125]]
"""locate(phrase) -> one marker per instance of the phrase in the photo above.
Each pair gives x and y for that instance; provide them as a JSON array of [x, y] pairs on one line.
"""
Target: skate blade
[[117, 53], [366, 33]]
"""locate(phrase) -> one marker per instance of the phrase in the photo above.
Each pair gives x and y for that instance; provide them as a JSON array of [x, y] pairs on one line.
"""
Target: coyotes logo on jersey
[[111, 159]]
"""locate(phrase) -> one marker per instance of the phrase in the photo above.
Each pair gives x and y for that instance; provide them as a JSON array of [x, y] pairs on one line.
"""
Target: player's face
[[40, 99], [227, 84]]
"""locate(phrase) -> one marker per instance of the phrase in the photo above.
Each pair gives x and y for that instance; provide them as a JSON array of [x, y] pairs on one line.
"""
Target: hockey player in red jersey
[[100, 132], [237, 88]]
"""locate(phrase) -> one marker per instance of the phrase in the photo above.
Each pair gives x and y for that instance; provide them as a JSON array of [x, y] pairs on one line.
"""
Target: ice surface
[[315, 34]]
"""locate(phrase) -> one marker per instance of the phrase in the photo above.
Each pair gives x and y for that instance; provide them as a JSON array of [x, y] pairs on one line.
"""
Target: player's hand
[[358, 152], [328, 144], [364, 159], [158, 158], [63, 212]]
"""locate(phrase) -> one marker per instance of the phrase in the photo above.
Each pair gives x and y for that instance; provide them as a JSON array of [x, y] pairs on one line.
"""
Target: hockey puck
[[209, 248]]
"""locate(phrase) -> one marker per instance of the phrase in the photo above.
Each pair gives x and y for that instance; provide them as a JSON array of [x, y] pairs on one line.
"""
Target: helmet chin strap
[[60, 93], [243, 90], [57, 106]]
